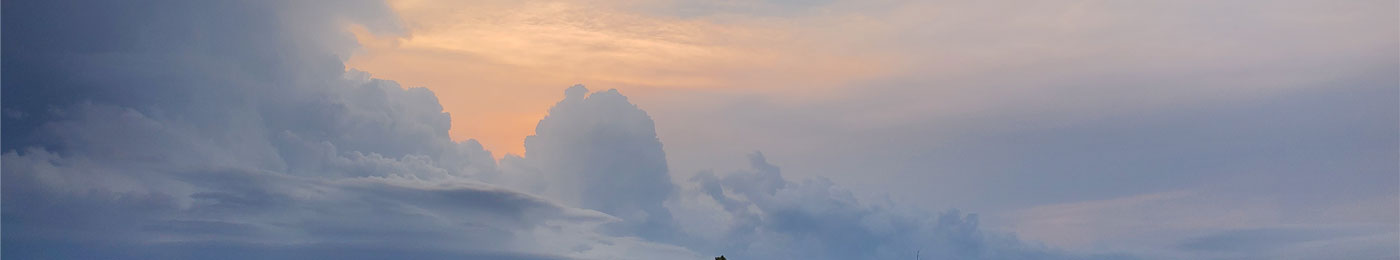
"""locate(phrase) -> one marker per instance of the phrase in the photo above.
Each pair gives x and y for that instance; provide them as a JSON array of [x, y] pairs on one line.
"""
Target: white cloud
[[600, 151]]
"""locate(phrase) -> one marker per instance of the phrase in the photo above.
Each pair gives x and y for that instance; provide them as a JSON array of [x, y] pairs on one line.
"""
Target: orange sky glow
[[497, 67]]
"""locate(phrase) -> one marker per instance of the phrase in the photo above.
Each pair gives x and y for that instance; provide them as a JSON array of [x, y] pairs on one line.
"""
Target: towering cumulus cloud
[[602, 150], [231, 130]]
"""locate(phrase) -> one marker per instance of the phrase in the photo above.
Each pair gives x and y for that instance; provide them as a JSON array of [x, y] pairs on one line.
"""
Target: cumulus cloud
[[170, 129], [598, 151], [601, 152], [770, 217]]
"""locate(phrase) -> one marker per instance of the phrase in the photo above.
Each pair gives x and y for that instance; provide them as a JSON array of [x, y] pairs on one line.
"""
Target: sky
[[656, 129]]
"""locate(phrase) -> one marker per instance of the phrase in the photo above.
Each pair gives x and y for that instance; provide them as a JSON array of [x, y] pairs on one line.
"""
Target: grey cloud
[[207, 250], [48, 200], [1251, 239], [1294, 243], [1259, 105], [602, 150], [173, 129], [774, 218]]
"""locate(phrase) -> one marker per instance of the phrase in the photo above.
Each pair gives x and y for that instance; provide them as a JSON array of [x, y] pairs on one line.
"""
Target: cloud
[[57, 202], [770, 217], [168, 129], [598, 151], [1215, 224], [601, 151]]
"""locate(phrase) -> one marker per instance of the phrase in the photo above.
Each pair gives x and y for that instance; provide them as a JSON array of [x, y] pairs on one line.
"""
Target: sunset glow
[[493, 63], [687, 129]]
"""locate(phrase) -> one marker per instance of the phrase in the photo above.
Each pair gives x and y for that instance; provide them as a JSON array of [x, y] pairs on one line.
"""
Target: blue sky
[[686, 130]]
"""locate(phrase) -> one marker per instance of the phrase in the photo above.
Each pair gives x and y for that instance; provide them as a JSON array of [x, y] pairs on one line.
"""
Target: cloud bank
[[167, 129], [222, 130], [767, 216]]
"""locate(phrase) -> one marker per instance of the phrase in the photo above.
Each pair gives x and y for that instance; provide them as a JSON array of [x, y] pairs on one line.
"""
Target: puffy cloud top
[[603, 150], [172, 129], [218, 130]]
